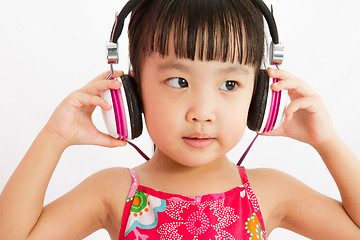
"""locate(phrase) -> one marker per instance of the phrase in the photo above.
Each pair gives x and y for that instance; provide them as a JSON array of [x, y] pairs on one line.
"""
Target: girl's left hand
[[306, 118]]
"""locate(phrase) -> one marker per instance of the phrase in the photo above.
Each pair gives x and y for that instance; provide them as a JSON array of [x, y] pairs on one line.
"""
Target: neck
[[165, 174], [164, 164], [170, 175]]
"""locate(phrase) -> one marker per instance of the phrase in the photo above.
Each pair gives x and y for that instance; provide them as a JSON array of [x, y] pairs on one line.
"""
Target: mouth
[[198, 141]]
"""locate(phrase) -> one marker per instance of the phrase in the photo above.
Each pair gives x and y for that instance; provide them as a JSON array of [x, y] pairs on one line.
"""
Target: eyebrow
[[176, 65], [238, 69]]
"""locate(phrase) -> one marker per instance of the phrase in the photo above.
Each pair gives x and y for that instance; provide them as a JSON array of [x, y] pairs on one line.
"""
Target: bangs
[[221, 30]]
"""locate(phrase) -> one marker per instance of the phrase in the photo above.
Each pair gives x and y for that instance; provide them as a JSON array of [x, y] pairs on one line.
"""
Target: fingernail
[[118, 83], [276, 85]]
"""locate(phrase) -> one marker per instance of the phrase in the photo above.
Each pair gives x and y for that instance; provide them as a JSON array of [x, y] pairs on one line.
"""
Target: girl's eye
[[177, 82], [229, 85]]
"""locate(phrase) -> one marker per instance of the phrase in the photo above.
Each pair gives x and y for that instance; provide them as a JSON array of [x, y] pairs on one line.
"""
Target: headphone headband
[[131, 4], [276, 51], [119, 22], [269, 17]]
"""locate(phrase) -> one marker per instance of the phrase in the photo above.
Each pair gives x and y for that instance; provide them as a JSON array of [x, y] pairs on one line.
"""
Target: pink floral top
[[151, 214]]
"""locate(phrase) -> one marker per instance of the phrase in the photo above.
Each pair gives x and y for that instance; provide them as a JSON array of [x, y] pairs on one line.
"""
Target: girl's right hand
[[71, 121]]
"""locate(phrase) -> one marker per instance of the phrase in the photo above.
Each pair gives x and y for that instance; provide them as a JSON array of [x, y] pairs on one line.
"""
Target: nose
[[201, 108]]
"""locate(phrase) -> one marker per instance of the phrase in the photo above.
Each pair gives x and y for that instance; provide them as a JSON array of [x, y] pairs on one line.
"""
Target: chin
[[196, 160]]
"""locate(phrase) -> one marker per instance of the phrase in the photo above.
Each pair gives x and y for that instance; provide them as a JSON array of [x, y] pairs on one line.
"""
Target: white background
[[50, 48]]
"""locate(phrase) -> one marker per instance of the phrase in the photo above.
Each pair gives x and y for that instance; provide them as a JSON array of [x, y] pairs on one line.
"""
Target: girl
[[196, 100]]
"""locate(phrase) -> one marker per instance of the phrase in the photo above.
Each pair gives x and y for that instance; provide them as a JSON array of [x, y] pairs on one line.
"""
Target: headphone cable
[[139, 150], [247, 150], [239, 162]]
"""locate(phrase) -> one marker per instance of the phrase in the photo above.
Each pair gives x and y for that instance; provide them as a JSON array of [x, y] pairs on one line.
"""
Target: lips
[[198, 140]]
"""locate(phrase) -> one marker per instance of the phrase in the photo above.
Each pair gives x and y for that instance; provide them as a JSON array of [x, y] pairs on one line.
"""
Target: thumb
[[106, 140], [275, 132]]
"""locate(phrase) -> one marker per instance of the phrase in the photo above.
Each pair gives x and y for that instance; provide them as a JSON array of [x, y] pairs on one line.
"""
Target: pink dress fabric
[[151, 214]]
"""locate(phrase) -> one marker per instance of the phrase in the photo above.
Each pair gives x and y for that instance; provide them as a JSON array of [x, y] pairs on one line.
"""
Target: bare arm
[[21, 201], [344, 168], [308, 121], [315, 215]]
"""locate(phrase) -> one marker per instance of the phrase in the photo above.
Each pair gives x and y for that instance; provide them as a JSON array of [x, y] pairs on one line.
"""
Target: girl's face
[[195, 111]]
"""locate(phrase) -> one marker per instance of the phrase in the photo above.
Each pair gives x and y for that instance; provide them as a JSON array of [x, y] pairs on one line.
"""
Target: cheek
[[160, 117], [234, 119], [234, 122]]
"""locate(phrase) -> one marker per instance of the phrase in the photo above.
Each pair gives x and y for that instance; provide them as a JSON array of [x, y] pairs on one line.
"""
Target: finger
[[279, 74], [276, 132], [290, 82], [96, 88], [103, 75], [118, 73], [82, 99], [305, 103], [296, 85], [106, 140]]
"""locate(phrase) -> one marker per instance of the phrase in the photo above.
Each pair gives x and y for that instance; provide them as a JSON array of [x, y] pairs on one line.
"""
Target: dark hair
[[222, 30]]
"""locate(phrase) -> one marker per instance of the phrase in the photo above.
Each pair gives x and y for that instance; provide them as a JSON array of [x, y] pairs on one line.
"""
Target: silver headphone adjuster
[[276, 53]]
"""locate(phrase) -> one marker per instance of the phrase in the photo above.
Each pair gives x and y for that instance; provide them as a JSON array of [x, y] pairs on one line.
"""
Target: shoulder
[[266, 179], [113, 185], [271, 183], [288, 203], [109, 181], [266, 176], [95, 203], [276, 192], [274, 184], [111, 176]]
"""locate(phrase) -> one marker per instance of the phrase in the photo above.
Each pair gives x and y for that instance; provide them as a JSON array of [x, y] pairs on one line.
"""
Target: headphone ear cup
[[258, 101], [134, 106], [109, 116]]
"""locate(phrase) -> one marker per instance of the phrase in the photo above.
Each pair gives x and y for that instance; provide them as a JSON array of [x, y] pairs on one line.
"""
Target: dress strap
[[243, 175], [129, 201], [135, 183]]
